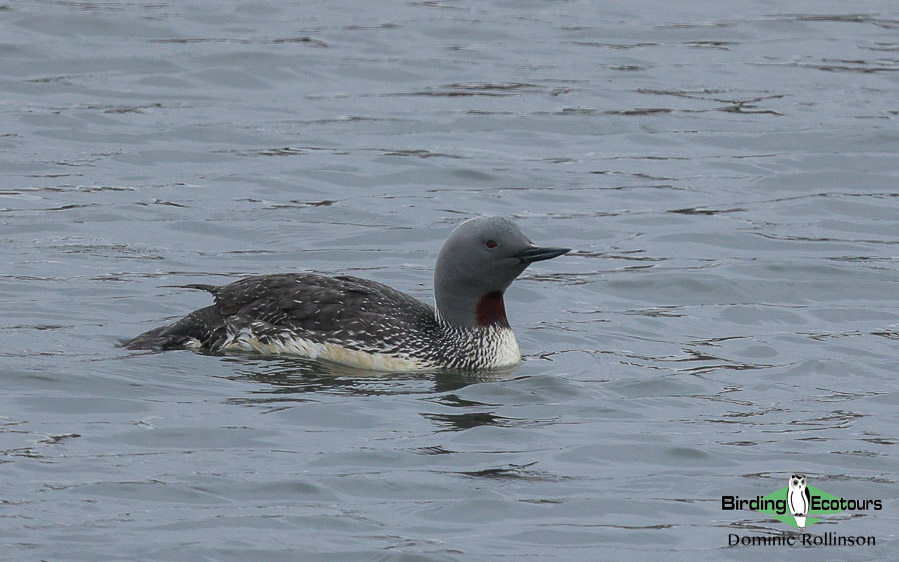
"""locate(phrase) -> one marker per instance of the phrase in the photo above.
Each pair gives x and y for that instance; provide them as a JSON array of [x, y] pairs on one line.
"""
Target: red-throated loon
[[367, 324]]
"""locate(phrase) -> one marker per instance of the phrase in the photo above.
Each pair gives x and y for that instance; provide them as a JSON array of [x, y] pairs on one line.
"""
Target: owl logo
[[798, 498]]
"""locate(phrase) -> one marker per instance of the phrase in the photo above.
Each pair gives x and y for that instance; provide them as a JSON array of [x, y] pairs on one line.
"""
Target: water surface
[[728, 177]]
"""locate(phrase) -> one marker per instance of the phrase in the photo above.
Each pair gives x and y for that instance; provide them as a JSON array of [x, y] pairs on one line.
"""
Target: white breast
[[503, 347]]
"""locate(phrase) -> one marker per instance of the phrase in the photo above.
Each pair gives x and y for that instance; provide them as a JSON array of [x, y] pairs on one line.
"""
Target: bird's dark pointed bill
[[535, 253]]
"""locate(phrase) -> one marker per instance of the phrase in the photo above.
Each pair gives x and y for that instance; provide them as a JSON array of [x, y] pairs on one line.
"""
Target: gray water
[[726, 172]]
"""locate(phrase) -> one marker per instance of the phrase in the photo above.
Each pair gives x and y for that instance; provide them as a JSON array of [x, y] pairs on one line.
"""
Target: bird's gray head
[[477, 264]]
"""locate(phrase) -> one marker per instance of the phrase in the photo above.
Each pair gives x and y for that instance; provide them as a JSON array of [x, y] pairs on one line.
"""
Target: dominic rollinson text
[[805, 539]]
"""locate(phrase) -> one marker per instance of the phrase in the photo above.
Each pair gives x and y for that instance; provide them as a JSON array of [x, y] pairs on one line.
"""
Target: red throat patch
[[491, 310]]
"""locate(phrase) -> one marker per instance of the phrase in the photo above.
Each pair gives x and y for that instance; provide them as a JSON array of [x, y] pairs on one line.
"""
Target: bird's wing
[[322, 308]]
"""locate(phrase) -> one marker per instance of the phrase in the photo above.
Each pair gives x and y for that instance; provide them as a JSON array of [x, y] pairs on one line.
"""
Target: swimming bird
[[366, 324]]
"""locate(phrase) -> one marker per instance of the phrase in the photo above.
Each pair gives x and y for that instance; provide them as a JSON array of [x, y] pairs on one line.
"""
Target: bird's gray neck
[[465, 311]]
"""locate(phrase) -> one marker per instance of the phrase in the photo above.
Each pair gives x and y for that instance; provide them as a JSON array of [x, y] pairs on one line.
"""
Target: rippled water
[[726, 172]]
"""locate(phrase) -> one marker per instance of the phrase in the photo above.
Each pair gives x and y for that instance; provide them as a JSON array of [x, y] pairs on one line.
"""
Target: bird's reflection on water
[[295, 379]]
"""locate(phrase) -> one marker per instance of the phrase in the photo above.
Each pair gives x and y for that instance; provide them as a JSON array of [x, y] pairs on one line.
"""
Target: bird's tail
[[201, 328]]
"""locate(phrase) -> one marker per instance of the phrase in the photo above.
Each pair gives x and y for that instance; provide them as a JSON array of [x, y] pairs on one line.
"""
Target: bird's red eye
[[491, 244]]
